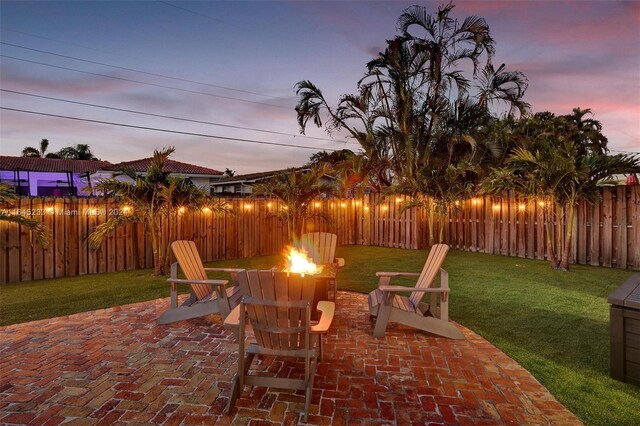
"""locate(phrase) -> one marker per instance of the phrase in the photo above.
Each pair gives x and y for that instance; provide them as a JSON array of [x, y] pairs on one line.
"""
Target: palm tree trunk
[[550, 246], [154, 246], [443, 217], [430, 222], [168, 259], [161, 248], [566, 251]]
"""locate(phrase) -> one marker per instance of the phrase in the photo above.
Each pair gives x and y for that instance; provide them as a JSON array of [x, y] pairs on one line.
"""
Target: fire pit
[[297, 260]]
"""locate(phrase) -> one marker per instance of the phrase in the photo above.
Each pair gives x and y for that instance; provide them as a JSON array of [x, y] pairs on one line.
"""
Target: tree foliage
[[154, 197], [296, 189], [37, 229]]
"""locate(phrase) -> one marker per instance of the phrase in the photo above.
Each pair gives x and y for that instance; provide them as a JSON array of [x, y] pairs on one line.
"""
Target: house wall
[[44, 183]]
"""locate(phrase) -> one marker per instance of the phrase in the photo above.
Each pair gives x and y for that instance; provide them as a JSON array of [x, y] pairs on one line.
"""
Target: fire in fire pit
[[297, 260]]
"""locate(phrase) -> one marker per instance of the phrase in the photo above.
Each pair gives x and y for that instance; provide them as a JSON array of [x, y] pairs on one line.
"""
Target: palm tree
[[37, 228], [155, 198], [424, 106], [41, 152], [78, 152], [552, 164], [296, 189]]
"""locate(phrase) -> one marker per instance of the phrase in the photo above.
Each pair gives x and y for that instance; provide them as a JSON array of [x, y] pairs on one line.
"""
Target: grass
[[555, 324]]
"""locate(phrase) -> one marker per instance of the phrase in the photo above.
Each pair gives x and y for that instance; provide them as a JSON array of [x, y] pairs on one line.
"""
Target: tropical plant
[[154, 198], [77, 152], [424, 106], [558, 162], [41, 151], [36, 228], [296, 189]]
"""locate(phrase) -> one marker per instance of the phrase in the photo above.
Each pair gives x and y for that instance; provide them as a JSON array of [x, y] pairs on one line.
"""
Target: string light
[[181, 210], [457, 203], [474, 201], [343, 205], [268, 205], [126, 209], [247, 206], [398, 199], [541, 203], [316, 204], [206, 210], [521, 207], [496, 206], [49, 210]]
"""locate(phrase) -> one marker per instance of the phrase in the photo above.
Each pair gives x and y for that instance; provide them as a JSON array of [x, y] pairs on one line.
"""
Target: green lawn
[[555, 324]]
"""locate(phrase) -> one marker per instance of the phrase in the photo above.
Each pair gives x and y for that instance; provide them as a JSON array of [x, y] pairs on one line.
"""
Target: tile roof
[[60, 165], [251, 177], [170, 166]]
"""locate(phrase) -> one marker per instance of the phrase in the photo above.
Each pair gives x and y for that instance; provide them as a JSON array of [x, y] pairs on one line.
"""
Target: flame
[[298, 261]]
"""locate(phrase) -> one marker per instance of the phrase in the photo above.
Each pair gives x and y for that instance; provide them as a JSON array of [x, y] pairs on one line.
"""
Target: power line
[[131, 69], [192, 11], [144, 82], [168, 116], [203, 135]]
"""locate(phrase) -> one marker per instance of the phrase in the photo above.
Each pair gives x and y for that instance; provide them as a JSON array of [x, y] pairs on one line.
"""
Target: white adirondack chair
[[207, 296], [388, 306], [278, 305], [321, 247]]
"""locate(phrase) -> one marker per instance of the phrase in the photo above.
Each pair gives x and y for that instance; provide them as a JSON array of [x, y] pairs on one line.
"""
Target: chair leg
[[384, 312], [307, 398], [236, 388], [235, 392]]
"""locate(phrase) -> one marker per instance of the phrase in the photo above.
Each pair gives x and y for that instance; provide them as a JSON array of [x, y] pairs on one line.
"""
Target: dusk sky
[[575, 54]]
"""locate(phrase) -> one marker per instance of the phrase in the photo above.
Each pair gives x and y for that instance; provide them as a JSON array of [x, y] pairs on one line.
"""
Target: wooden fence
[[606, 233]]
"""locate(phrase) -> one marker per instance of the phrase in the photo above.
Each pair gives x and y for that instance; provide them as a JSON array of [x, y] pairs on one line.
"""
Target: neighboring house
[[242, 185], [36, 176], [200, 176]]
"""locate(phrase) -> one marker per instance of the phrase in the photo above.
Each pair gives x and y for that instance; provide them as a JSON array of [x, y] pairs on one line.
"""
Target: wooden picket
[[606, 233]]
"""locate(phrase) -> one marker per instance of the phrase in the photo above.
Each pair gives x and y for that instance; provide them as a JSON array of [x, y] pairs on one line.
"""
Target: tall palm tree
[[296, 189], [424, 106], [155, 198], [41, 151], [37, 228]]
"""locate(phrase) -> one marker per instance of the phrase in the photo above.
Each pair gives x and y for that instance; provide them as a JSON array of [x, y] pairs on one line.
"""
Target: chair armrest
[[233, 319], [340, 261], [399, 288], [328, 310], [397, 274], [224, 269], [210, 282]]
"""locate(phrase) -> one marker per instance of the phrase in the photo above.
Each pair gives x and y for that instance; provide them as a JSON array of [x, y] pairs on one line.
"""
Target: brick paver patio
[[117, 366]]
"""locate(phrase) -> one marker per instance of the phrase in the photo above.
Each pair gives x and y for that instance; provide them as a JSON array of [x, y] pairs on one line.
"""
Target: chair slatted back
[[321, 246], [278, 327], [431, 267], [189, 260]]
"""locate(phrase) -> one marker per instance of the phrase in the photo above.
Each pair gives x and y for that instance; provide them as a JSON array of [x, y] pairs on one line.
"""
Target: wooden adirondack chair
[[386, 305], [278, 306], [207, 296], [321, 246]]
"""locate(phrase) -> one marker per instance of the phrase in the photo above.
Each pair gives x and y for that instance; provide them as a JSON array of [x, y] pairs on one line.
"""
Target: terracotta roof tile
[[171, 166], [63, 165]]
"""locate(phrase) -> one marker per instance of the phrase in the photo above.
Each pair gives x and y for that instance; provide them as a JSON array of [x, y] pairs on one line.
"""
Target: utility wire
[[131, 69], [144, 82], [168, 116], [203, 135]]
